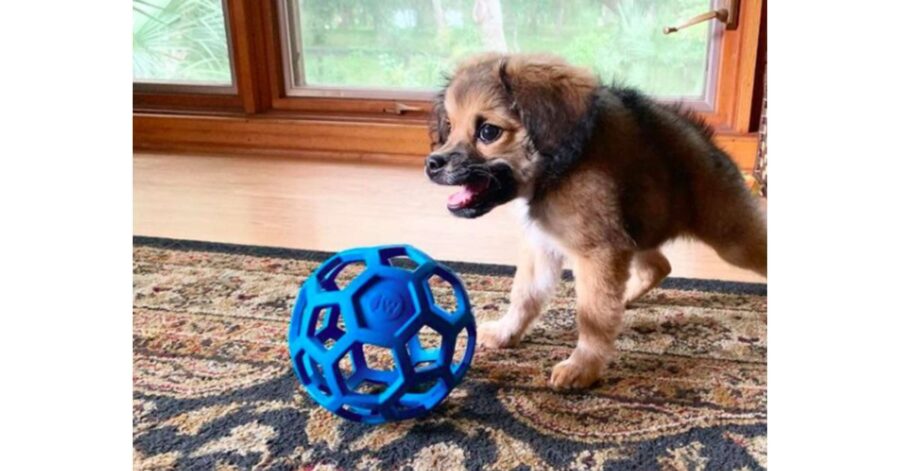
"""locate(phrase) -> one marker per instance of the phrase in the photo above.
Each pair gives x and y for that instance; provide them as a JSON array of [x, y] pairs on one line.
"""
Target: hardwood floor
[[332, 205]]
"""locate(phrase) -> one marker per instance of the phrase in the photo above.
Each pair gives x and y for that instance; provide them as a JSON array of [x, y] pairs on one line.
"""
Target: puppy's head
[[499, 124]]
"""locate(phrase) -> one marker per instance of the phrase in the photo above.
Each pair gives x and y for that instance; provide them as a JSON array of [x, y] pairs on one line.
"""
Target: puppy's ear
[[550, 97], [439, 125]]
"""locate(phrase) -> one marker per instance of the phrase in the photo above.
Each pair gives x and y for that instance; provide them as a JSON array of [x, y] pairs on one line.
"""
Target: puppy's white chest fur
[[534, 231]]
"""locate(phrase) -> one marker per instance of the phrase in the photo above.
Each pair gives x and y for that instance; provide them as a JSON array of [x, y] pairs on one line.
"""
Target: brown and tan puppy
[[603, 176]]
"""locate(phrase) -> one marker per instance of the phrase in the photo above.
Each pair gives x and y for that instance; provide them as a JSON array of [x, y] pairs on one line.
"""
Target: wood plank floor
[[330, 205]]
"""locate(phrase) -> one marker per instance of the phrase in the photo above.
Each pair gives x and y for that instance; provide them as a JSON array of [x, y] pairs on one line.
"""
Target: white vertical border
[[65, 190], [834, 168]]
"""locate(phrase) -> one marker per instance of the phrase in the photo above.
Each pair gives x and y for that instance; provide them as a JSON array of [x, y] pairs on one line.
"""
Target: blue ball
[[383, 342]]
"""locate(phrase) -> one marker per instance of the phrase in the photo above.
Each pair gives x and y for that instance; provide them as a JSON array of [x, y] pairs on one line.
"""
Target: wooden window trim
[[261, 104]]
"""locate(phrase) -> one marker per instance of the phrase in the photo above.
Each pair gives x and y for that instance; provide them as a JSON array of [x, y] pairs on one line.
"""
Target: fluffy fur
[[604, 175]]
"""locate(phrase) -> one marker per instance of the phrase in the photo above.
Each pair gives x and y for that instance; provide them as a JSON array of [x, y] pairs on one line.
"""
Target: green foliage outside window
[[400, 43], [413, 43], [182, 41]]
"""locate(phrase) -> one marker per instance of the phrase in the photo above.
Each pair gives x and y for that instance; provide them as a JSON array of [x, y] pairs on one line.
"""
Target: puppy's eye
[[488, 133]]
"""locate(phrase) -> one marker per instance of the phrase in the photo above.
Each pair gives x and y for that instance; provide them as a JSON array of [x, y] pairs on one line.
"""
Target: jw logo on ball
[[381, 333], [387, 304]]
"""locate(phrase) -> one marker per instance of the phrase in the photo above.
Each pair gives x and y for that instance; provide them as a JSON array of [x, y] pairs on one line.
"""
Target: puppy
[[603, 176]]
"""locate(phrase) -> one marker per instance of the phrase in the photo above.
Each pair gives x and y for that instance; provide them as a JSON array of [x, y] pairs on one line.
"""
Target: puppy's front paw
[[575, 374], [495, 334]]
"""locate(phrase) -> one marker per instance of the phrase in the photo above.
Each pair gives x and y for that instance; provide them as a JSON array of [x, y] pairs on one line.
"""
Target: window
[[356, 77], [358, 48], [181, 42]]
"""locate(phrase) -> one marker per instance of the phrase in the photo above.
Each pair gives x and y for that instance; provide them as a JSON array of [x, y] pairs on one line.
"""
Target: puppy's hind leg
[[537, 275], [648, 268]]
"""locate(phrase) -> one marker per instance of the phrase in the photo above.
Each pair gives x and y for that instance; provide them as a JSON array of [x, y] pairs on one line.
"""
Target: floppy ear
[[439, 125], [551, 99]]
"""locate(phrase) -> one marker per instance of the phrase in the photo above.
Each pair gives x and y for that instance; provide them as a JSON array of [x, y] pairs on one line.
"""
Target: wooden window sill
[[400, 140]]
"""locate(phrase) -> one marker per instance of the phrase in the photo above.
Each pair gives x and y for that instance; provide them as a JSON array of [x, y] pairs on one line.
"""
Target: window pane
[[180, 41], [411, 43]]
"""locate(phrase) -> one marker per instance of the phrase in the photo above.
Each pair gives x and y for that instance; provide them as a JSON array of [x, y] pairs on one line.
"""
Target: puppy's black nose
[[435, 162]]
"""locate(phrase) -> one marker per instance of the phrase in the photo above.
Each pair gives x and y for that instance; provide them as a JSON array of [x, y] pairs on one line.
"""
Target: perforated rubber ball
[[381, 333]]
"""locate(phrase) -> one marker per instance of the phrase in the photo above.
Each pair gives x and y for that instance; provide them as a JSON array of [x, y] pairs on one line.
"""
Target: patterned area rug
[[213, 387]]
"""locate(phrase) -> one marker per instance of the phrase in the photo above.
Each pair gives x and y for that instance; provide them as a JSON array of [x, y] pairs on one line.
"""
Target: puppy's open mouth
[[481, 189], [470, 195]]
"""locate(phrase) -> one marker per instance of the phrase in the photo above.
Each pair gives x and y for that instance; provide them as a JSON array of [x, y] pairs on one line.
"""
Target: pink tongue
[[465, 196], [461, 197]]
